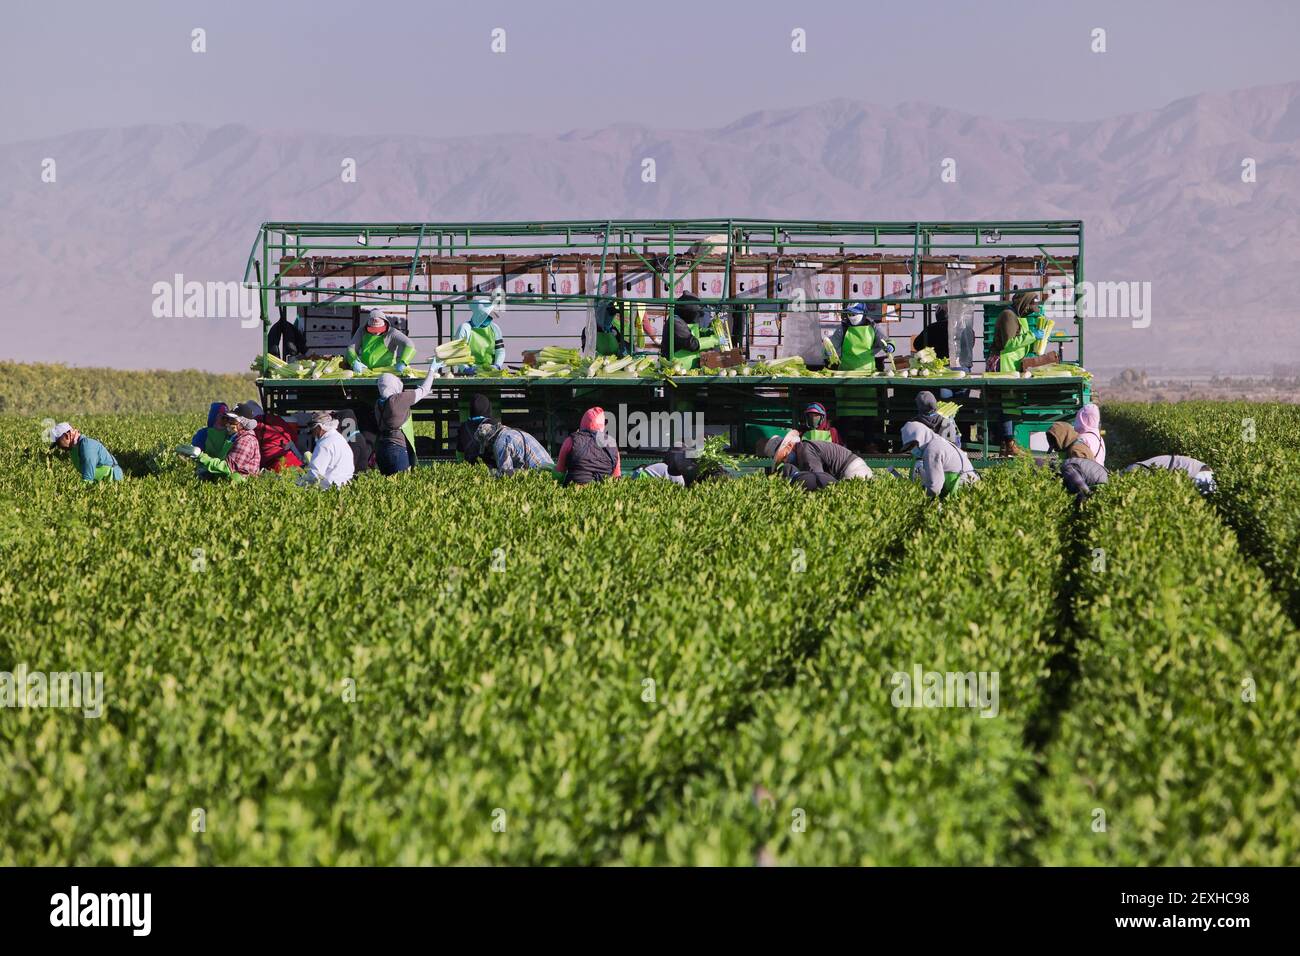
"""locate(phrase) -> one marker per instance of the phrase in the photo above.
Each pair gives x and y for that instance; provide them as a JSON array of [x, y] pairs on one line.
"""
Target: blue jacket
[[89, 455]]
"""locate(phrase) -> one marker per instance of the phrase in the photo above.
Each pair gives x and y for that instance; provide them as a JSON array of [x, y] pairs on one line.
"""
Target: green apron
[[101, 471], [816, 434], [951, 480], [483, 345], [1015, 350], [858, 349], [374, 353], [607, 343], [216, 442], [692, 359]]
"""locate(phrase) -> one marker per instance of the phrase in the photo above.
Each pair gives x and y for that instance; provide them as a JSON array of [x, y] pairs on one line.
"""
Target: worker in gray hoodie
[[941, 467], [1082, 476], [927, 413], [1198, 471]]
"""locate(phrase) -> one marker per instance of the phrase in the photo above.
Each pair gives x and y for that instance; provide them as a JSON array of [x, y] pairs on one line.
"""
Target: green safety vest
[[101, 471], [1014, 351], [816, 434], [858, 348], [483, 344]]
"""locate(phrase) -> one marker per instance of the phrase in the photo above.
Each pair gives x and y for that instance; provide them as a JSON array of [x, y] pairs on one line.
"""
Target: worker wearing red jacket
[[275, 437]]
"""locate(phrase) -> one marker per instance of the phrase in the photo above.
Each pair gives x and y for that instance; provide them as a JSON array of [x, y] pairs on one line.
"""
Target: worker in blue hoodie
[[89, 457], [213, 438], [480, 330]]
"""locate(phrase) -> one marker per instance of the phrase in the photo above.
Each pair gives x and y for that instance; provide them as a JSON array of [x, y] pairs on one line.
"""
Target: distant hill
[[1160, 193]]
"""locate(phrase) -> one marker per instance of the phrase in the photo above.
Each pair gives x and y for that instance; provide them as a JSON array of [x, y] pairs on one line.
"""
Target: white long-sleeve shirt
[[331, 461]]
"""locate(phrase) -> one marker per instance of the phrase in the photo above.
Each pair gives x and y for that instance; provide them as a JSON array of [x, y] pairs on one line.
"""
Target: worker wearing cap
[[858, 340], [487, 346], [813, 464], [378, 345], [941, 467], [331, 463], [89, 457], [817, 425], [1198, 471], [243, 458]]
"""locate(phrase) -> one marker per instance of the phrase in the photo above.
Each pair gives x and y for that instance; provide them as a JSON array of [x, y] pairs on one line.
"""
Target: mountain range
[[1161, 194]]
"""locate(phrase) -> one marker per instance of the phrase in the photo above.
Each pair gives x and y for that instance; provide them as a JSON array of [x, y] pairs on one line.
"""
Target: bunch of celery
[[455, 352]]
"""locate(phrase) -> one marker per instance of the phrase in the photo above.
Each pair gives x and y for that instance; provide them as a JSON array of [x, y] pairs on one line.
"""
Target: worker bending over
[[213, 439], [813, 464], [589, 454], [1198, 471], [1062, 438], [481, 332], [505, 450], [331, 464], [91, 459], [927, 413], [941, 467], [378, 345], [1082, 476]]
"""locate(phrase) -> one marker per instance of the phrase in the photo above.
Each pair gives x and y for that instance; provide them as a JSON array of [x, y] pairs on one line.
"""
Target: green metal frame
[[664, 246]]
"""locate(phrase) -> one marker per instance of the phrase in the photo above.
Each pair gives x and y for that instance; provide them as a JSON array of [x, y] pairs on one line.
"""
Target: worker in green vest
[[859, 340], [378, 345], [89, 457], [817, 425], [620, 328], [486, 343], [691, 333], [1018, 329]]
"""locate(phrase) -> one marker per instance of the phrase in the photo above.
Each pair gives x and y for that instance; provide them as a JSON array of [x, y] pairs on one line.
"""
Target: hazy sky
[[426, 67]]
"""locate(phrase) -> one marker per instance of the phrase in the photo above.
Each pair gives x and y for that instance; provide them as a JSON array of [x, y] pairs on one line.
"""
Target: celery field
[[444, 668]]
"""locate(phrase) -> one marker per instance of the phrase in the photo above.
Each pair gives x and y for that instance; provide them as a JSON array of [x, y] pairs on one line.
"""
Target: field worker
[[480, 330], [689, 335], [331, 457], [941, 467], [361, 444], [859, 340], [243, 456], [813, 464], [1062, 438], [378, 345], [395, 440], [927, 413], [1088, 424], [89, 457], [1198, 471], [507, 450], [934, 336], [817, 425], [213, 439], [285, 341], [1082, 476], [589, 454], [1013, 339], [275, 438], [621, 328], [480, 411]]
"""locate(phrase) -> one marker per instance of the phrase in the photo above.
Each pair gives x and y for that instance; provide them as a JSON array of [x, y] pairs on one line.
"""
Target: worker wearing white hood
[[941, 466], [480, 330]]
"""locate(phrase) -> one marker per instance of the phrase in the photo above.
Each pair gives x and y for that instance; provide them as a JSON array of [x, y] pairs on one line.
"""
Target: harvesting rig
[[778, 285]]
